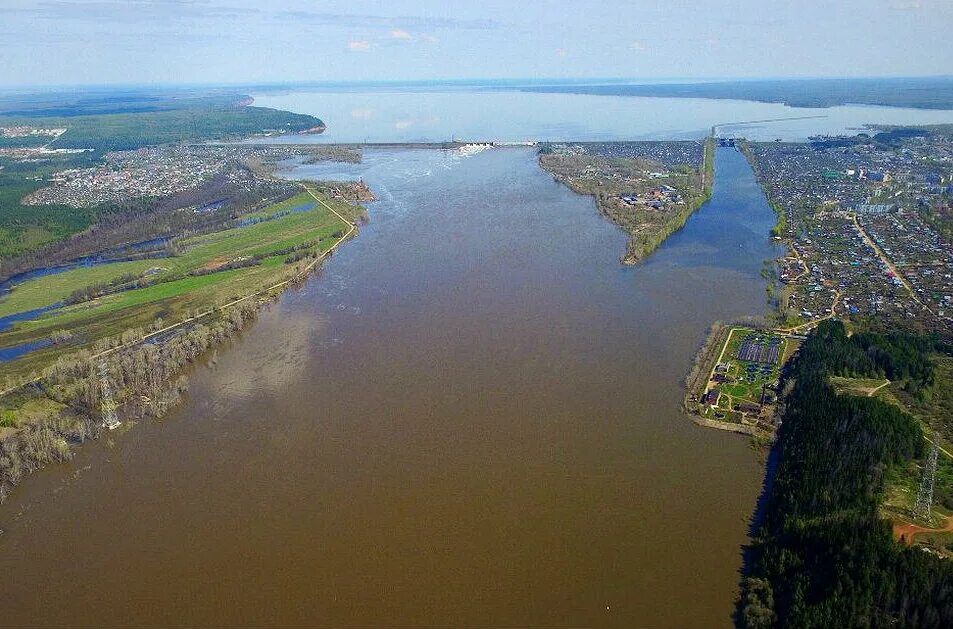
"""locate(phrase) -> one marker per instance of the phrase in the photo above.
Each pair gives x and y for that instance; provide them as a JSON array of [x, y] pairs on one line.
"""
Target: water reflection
[[441, 115]]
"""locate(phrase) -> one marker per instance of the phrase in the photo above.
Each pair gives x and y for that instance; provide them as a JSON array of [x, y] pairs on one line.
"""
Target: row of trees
[[146, 381], [823, 557]]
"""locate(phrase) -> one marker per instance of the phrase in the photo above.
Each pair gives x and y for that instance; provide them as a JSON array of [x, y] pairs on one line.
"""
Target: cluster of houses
[[920, 255], [855, 217], [153, 172], [158, 172], [657, 198], [21, 131], [858, 173], [671, 154]]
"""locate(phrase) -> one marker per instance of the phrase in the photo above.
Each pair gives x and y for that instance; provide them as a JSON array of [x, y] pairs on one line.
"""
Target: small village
[[868, 222], [162, 171], [649, 189]]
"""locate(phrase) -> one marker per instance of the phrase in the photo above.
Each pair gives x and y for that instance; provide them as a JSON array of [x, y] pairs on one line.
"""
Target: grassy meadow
[[206, 270]]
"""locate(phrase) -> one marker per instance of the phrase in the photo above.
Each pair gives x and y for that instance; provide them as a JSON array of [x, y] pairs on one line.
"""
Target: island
[[649, 189]]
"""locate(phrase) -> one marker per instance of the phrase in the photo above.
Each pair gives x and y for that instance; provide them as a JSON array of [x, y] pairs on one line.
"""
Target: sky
[[104, 42]]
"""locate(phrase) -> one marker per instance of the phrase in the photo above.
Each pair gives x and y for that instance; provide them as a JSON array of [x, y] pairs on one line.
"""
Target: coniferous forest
[[822, 556]]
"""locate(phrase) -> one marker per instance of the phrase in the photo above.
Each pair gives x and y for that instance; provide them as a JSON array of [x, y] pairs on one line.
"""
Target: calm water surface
[[377, 115], [469, 417]]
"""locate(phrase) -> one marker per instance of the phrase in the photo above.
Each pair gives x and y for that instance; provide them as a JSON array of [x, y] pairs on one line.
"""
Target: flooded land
[[470, 416]]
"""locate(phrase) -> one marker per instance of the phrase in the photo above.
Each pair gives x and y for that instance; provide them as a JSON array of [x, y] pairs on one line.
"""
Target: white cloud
[[409, 22], [359, 45], [402, 36], [638, 46]]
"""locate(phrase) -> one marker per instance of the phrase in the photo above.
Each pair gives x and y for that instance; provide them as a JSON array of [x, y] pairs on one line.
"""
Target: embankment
[[642, 245], [139, 373]]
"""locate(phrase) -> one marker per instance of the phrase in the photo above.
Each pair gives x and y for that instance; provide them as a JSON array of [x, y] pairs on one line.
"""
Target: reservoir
[[470, 416], [363, 114]]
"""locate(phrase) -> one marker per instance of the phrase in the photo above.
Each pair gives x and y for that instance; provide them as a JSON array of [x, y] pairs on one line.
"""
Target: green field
[[857, 386], [48, 290], [934, 409], [110, 121], [197, 252], [900, 494], [745, 380], [176, 289]]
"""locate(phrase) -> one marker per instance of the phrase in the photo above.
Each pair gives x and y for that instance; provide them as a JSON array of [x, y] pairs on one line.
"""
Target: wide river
[[469, 417], [362, 114]]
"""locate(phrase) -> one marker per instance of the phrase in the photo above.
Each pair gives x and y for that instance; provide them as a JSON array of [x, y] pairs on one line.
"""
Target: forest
[[24, 227], [125, 131], [100, 121], [822, 556], [91, 100], [916, 92]]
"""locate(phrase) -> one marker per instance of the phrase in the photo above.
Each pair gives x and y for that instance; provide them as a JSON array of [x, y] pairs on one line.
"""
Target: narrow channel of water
[[469, 417], [109, 256]]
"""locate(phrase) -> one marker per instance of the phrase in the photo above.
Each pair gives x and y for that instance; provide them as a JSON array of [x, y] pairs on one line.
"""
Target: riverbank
[[649, 189], [476, 355], [259, 247], [823, 554], [139, 369], [858, 484]]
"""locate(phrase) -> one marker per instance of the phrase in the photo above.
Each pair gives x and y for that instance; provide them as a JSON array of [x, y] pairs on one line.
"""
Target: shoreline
[[165, 352], [642, 243]]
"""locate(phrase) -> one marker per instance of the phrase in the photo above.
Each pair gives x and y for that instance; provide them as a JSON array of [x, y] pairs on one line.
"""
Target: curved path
[[202, 315], [813, 322], [906, 532]]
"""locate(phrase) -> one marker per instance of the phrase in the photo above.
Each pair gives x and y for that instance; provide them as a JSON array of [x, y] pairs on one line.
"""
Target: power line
[[107, 405], [924, 504]]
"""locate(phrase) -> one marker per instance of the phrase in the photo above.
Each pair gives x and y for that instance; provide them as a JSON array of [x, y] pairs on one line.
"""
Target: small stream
[[109, 256]]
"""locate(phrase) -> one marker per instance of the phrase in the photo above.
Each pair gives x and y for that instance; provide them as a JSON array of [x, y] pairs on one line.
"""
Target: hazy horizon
[[463, 81], [231, 42]]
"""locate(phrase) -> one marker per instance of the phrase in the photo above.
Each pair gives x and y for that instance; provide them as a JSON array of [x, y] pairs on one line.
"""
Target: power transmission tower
[[925, 494], [107, 405]]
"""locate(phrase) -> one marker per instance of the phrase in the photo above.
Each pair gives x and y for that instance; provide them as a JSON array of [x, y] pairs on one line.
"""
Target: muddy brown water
[[470, 417]]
